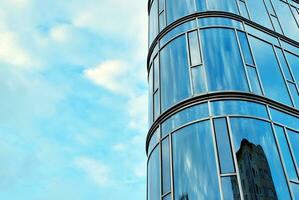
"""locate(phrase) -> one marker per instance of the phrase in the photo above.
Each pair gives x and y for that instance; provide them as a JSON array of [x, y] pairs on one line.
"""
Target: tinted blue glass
[[287, 158], [220, 5], [156, 105], [253, 78], [245, 48], [290, 47], [269, 7], [177, 30], [294, 64], [285, 119], [154, 140], [156, 73], [153, 184], [286, 18], [294, 140], [187, 115], [199, 79], [162, 23], [230, 188], [274, 85], [150, 96], [223, 146], [235, 107], [165, 166], [296, 13], [161, 5], [276, 25], [283, 64], [243, 9], [201, 5], [219, 21], [261, 35], [294, 93], [194, 163], [153, 21], [258, 159], [295, 190], [222, 60], [174, 69], [168, 197], [259, 13], [178, 8], [194, 50]]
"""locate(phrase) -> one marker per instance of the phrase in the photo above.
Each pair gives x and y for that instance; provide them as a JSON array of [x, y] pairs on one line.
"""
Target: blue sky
[[73, 106]]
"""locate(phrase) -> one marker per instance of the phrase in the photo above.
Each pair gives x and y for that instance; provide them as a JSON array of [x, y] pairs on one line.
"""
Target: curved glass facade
[[223, 100]]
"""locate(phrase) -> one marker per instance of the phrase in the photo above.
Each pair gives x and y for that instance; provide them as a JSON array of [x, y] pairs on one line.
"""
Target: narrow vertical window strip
[[194, 48], [254, 80]]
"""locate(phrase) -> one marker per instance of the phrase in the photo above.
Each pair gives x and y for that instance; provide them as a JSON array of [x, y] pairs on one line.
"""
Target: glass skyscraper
[[223, 100]]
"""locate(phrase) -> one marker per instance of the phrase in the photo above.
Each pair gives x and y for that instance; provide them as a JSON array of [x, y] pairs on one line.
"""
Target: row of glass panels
[[277, 15], [234, 148], [223, 58]]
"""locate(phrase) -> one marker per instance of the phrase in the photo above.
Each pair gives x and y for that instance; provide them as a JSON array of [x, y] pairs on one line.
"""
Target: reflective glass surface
[[219, 21], [153, 22], [222, 60], [259, 13], [254, 81], [178, 8], [154, 140], [243, 9], [245, 48], [150, 96], [237, 107], [295, 189], [284, 119], [258, 160], [220, 5], [194, 50], [294, 64], [195, 172], [290, 47], [174, 69], [182, 117], [153, 176], [283, 64], [274, 85], [156, 105], [165, 166], [294, 94], [168, 197], [286, 154], [261, 35], [230, 188], [223, 146], [294, 140], [198, 79], [156, 73]]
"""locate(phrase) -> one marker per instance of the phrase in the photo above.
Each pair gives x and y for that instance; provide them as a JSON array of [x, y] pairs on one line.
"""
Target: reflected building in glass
[[223, 100]]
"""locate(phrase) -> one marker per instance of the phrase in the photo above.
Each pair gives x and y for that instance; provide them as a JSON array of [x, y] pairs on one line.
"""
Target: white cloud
[[137, 110], [95, 170], [120, 147], [60, 33]]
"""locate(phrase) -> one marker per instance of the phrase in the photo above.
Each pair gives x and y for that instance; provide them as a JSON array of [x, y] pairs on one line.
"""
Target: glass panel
[[168, 197], [195, 172], [161, 5], [290, 47], [259, 13], [253, 79], [156, 105], [230, 188], [174, 69], [287, 158], [153, 18], [294, 93], [269, 7], [294, 65], [182, 117], [236, 107], [198, 78], [223, 146], [245, 48], [261, 172], [223, 73], [154, 140], [150, 96], [283, 64], [274, 85], [261, 35], [178, 8], [296, 14], [153, 177], [284, 118], [156, 73], [162, 21], [165, 166], [177, 30], [195, 57], [201, 5], [220, 5], [294, 140], [243, 9], [287, 20], [295, 189], [276, 25], [219, 21]]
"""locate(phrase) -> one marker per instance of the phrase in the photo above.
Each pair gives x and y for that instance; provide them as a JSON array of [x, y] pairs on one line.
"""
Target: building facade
[[223, 100]]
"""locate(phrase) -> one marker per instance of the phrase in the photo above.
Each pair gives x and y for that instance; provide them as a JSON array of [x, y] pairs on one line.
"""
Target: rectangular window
[[283, 64], [223, 146], [269, 7], [245, 48], [254, 81], [156, 105], [276, 25], [294, 63], [156, 73], [150, 96], [162, 21], [230, 187], [294, 93], [294, 140], [295, 190], [165, 166], [287, 158], [161, 5], [243, 9], [198, 79], [194, 49], [258, 13]]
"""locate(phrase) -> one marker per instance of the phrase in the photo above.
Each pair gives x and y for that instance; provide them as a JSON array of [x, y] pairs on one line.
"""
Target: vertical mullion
[[171, 167], [269, 15], [189, 62]]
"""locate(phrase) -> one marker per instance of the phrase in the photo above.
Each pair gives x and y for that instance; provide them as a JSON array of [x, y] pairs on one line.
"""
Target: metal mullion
[[291, 150], [249, 15], [216, 156], [171, 167], [281, 159], [189, 63], [243, 61], [159, 86], [234, 157]]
